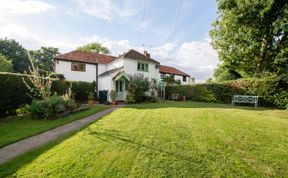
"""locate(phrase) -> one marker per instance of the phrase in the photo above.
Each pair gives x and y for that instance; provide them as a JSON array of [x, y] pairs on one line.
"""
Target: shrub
[[24, 109], [14, 93], [69, 104], [271, 90], [281, 99], [5, 65], [113, 95], [137, 88], [81, 90], [45, 108]]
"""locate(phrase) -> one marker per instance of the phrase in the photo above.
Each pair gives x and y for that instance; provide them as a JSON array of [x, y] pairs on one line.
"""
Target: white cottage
[[109, 72]]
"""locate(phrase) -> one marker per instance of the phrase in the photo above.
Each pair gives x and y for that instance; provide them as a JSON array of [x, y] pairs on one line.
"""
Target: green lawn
[[16, 128], [167, 140]]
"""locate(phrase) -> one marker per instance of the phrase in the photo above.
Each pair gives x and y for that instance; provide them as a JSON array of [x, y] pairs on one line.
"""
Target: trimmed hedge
[[273, 91], [14, 92]]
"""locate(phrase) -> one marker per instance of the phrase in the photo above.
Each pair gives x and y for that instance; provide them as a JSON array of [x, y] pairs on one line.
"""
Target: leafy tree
[[94, 47], [15, 52], [251, 36], [209, 80], [5, 65], [221, 73], [193, 80], [43, 57]]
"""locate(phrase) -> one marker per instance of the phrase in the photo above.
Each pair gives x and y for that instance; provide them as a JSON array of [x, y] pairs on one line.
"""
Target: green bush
[[81, 90], [69, 104], [271, 90], [5, 65], [43, 109], [137, 88], [14, 92], [24, 109]]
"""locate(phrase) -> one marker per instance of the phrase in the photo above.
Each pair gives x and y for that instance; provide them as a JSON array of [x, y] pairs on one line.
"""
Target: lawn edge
[[37, 133]]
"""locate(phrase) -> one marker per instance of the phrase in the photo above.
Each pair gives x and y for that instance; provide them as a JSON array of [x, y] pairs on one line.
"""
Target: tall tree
[[15, 52], [94, 47], [43, 57], [251, 35]]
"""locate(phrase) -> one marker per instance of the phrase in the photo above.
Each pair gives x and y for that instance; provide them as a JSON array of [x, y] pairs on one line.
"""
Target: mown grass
[[167, 140], [16, 128]]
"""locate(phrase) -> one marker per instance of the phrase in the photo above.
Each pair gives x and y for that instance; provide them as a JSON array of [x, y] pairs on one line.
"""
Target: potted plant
[[91, 100], [113, 95]]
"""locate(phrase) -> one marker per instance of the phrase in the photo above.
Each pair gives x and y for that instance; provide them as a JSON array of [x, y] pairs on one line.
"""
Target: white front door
[[120, 89]]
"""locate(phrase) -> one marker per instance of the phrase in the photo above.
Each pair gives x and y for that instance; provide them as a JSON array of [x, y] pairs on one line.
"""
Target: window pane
[[121, 89], [138, 66], [184, 78], [78, 66], [117, 86]]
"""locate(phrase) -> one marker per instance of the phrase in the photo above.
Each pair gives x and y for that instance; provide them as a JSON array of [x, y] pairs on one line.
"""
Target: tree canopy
[[94, 47], [251, 36], [5, 64], [43, 57], [12, 50]]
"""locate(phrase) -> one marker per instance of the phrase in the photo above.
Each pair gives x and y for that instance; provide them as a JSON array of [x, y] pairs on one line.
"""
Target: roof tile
[[87, 57], [172, 70]]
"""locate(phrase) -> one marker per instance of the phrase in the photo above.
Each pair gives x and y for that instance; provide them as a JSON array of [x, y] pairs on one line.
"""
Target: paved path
[[15, 149]]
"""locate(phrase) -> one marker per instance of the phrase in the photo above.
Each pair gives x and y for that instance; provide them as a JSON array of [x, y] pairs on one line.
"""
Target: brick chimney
[[146, 53]]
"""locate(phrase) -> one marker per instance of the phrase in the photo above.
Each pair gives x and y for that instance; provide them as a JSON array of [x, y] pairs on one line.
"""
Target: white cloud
[[29, 38], [103, 9], [198, 57], [20, 7]]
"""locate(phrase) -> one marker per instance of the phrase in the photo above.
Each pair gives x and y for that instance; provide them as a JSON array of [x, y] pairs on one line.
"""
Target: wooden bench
[[174, 97], [245, 99]]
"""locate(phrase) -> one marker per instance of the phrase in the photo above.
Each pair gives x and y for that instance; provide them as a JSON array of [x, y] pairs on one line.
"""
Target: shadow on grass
[[112, 136], [190, 104], [7, 169]]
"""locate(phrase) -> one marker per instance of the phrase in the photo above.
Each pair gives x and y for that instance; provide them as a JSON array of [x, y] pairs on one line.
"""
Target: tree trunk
[[262, 55]]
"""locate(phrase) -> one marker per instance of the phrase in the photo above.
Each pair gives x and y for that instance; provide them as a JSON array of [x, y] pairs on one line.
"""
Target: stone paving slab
[[18, 148]]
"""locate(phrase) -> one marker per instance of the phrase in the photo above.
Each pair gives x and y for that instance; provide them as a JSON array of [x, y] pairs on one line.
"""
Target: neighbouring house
[[109, 72], [178, 75]]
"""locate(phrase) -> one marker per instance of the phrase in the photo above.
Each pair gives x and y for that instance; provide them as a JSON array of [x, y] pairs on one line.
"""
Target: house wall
[[130, 68], [105, 83], [180, 77], [64, 67], [101, 68], [115, 64]]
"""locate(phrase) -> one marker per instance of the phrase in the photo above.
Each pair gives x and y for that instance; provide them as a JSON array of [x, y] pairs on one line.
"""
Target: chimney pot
[[146, 53]]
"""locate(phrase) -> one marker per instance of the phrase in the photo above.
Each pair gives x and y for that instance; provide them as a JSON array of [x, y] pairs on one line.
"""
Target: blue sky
[[175, 32]]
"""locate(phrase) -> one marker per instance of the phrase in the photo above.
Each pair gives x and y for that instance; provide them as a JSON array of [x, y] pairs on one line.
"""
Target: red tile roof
[[87, 57], [172, 70], [133, 54]]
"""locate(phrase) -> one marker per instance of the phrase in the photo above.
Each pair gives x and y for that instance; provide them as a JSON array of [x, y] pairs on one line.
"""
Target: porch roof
[[120, 75]]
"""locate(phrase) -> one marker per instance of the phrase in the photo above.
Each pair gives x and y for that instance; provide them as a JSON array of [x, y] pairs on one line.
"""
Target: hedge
[[14, 92], [273, 91]]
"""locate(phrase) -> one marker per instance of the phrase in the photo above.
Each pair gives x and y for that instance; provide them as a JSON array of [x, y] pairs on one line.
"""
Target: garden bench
[[245, 99], [174, 97]]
